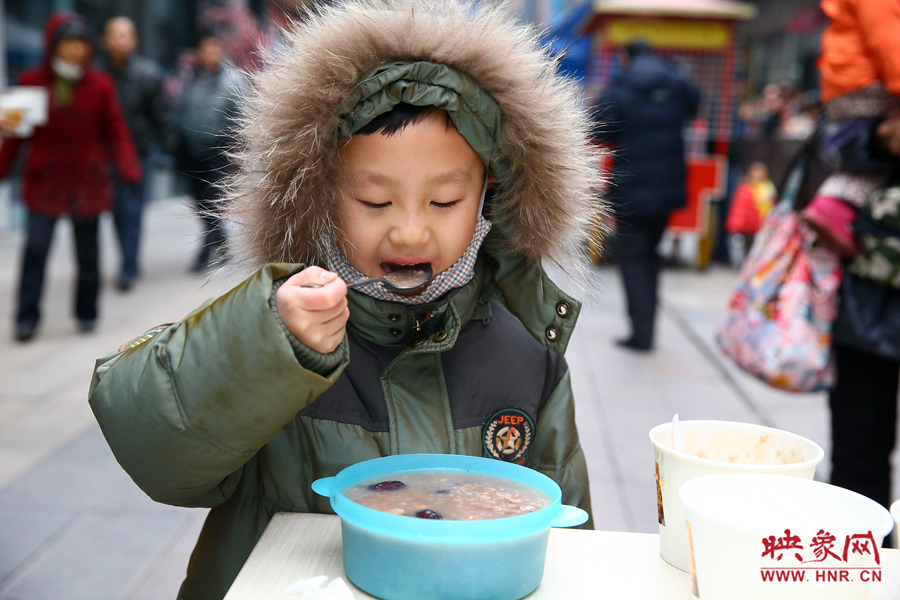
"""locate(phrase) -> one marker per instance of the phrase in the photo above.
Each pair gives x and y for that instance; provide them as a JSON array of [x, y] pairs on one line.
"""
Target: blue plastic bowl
[[403, 558]]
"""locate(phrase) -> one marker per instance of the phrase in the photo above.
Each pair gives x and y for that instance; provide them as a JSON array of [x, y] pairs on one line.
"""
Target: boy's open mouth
[[387, 267]]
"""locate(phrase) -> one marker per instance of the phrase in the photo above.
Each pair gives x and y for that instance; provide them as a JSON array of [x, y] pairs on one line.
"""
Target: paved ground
[[74, 526]]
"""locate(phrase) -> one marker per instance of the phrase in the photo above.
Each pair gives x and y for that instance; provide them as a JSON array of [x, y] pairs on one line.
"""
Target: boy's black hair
[[399, 118]]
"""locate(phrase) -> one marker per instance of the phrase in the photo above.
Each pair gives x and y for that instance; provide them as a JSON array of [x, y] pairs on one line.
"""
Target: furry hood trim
[[546, 205]]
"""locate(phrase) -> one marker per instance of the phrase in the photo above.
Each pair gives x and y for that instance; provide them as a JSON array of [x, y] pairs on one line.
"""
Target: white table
[[580, 564]]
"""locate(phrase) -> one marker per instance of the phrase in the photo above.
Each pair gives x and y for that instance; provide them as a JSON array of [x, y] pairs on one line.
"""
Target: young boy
[[367, 145]]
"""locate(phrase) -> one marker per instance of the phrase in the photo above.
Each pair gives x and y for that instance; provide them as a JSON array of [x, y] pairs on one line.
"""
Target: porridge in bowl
[[448, 495]]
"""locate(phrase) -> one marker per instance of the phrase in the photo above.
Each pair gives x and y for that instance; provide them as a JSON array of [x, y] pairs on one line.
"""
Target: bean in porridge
[[449, 495]]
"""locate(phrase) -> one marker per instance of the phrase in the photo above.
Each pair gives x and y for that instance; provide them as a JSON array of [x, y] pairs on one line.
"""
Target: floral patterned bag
[[779, 319]]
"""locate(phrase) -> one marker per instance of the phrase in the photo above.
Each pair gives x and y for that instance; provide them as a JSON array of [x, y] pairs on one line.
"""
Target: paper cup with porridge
[[711, 447]]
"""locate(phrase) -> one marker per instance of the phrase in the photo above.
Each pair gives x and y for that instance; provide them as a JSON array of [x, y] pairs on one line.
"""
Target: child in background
[[367, 145], [753, 198], [860, 80]]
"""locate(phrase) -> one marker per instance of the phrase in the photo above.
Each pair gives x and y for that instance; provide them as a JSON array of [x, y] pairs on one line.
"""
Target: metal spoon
[[403, 279]]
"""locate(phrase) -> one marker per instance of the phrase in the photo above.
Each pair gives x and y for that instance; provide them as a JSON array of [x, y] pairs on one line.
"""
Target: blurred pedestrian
[[644, 111], [771, 109], [860, 76], [802, 121], [279, 16], [67, 167], [753, 198], [203, 116], [854, 207], [863, 401], [139, 86]]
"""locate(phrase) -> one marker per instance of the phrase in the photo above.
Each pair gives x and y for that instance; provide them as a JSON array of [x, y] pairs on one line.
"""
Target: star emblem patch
[[507, 435]]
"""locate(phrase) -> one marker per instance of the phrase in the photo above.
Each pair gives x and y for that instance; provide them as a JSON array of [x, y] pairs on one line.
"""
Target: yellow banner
[[661, 33]]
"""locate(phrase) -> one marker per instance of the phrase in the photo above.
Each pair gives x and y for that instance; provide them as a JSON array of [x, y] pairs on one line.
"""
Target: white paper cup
[[895, 512], [710, 447], [739, 524]]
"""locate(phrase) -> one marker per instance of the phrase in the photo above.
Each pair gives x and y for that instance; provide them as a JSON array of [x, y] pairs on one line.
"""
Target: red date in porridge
[[449, 495]]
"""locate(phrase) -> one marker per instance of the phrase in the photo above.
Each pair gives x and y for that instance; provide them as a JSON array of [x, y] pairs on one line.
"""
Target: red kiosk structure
[[700, 35]]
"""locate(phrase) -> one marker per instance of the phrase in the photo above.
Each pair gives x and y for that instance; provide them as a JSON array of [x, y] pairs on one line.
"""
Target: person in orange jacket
[[860, 68], [860, 81]]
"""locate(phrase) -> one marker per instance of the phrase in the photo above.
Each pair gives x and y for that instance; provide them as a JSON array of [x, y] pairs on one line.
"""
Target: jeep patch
[[507, 436]]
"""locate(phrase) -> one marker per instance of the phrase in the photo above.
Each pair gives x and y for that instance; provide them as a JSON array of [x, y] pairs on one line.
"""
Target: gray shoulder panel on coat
[[493, 365], [498, 365]]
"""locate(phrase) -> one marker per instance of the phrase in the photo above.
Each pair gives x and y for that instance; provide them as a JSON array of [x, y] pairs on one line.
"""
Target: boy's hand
[[316, 316]]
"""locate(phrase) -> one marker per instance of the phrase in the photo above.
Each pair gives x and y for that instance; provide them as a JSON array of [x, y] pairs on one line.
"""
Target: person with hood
[[67, 166], [646, 108], [390, 133], [139, 87]]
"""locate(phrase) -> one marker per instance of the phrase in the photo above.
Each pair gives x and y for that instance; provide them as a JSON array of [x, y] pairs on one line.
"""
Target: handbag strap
[[793, 181], [805, 172]]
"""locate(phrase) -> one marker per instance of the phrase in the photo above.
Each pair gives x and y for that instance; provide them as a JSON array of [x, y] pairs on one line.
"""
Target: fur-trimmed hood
[[295, 119]]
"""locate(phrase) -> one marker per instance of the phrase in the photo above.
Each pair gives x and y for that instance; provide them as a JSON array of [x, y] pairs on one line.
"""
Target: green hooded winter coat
[[226, 409]]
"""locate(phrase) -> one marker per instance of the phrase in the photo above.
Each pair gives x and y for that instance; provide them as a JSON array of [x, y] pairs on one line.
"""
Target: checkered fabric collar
[[458, 275]]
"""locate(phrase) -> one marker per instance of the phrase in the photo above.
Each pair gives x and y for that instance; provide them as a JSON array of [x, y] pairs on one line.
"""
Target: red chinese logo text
[[822, 547]]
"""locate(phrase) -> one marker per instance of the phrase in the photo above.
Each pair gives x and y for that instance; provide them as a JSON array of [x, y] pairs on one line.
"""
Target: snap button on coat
[[563, 309], [552, 333], [440, 336]]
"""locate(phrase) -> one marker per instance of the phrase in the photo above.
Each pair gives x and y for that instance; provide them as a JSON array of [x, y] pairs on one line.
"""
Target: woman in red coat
[[68, 165]]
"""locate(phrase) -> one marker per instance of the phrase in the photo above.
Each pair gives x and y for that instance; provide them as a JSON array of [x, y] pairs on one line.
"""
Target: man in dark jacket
[[67, 163], [139, 87], [643, 112]]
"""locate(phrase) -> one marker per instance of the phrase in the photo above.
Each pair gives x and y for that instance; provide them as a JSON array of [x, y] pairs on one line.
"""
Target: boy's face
[[409, 198]]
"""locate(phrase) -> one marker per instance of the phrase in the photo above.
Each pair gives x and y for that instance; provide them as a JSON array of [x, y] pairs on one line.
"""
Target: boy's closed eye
[[436, 204], [449, 204], [373, 205]]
